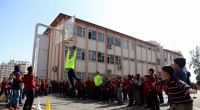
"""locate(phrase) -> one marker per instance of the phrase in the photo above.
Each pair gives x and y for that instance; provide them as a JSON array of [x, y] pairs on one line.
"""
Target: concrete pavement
[[58, 102]]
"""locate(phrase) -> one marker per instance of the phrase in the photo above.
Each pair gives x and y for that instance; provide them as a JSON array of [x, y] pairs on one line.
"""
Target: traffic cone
[[48, 105], [38, 104], [3, 97]]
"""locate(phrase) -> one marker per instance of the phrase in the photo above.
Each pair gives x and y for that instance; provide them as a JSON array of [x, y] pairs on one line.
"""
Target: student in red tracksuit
[[129, 88], [124, 83], [153, 93], [43, 87], [119, 90], [29, 87], [78, 87], [112, 90], [4, 87], [146, 91], [88, 84]]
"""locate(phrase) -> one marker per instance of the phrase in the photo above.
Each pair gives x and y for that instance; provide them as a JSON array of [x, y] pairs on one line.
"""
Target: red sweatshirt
[[88, 84], [152, 79], [43, 85], [118, 83], [29, 82], [129, 86], [4, 85]]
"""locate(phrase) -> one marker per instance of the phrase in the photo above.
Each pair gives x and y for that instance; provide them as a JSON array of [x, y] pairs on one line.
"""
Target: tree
[[195, 63]]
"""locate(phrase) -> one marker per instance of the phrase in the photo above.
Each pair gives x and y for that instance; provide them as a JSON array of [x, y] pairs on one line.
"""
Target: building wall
[[7, 68], [136, 61]]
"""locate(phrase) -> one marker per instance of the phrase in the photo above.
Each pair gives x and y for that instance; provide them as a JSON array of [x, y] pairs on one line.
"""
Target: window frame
[[125, 44], [82, 33], [101, 57], [117, 42], [101, 37], [93, 56], [110, 59]]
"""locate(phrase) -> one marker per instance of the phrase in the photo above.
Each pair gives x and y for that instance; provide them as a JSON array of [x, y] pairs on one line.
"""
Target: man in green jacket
[[98, 81], [69, 65]]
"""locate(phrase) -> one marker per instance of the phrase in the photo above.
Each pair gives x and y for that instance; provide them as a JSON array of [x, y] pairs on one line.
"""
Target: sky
[[174, 24]]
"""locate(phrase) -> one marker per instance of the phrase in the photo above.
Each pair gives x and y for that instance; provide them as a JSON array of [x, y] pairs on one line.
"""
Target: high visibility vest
[[69, 63], [98, 80]]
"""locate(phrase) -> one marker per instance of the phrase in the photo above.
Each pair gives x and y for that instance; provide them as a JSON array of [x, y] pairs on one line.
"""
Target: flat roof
[[61, 16]]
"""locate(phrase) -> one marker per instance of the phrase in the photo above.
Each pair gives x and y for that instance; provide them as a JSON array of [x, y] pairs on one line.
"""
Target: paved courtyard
[[58, 102]]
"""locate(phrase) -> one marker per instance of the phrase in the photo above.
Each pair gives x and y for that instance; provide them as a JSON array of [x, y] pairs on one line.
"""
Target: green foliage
[[195, 63]]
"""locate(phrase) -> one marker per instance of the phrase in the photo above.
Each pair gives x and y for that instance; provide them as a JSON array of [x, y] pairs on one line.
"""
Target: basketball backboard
[[69, 28]]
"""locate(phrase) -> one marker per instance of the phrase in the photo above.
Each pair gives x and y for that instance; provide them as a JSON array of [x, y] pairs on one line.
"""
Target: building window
[[139, 61], [80, 54], [80, 31], [100, 57], [117, 60], [170, 57], [91, 75], [158, 61], [125, 44], [110, 39], [158, 49], [117, 42], [131, 46], [80, 75], [131, 59], [92, 56], [125, 58], [142, 61], [110, 59], [100, 37], [92, 34]]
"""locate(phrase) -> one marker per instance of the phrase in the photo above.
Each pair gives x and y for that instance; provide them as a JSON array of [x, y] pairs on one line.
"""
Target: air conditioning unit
[[109, 71], [54, 68], [119, 67], [109, 46]]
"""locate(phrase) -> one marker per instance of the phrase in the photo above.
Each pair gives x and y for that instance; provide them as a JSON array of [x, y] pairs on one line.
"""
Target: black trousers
[[3, 91], [130, 96], [97, 92], [30, 95], [160, 95], [72, 76], [124, 96], [154, 100]]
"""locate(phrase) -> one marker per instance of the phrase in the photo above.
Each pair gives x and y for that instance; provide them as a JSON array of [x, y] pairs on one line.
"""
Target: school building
[[99, 49]]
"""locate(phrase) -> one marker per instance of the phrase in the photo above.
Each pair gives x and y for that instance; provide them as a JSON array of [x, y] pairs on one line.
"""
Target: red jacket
[[29, 82], [146, 87], [66, 85], [151, 80], [43, 85], [88, 84], [112, 89], [129, 86], [124, 86], [78, 86], [4, 85], [118, 83]]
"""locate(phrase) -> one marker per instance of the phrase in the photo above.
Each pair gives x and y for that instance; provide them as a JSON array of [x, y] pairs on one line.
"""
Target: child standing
[[178, 90]]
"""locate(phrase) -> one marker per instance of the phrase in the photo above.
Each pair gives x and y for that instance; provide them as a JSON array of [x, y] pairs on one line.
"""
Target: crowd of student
[[146, 91]]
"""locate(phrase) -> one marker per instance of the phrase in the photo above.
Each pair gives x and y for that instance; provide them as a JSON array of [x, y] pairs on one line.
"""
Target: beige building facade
[[101, 49]]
